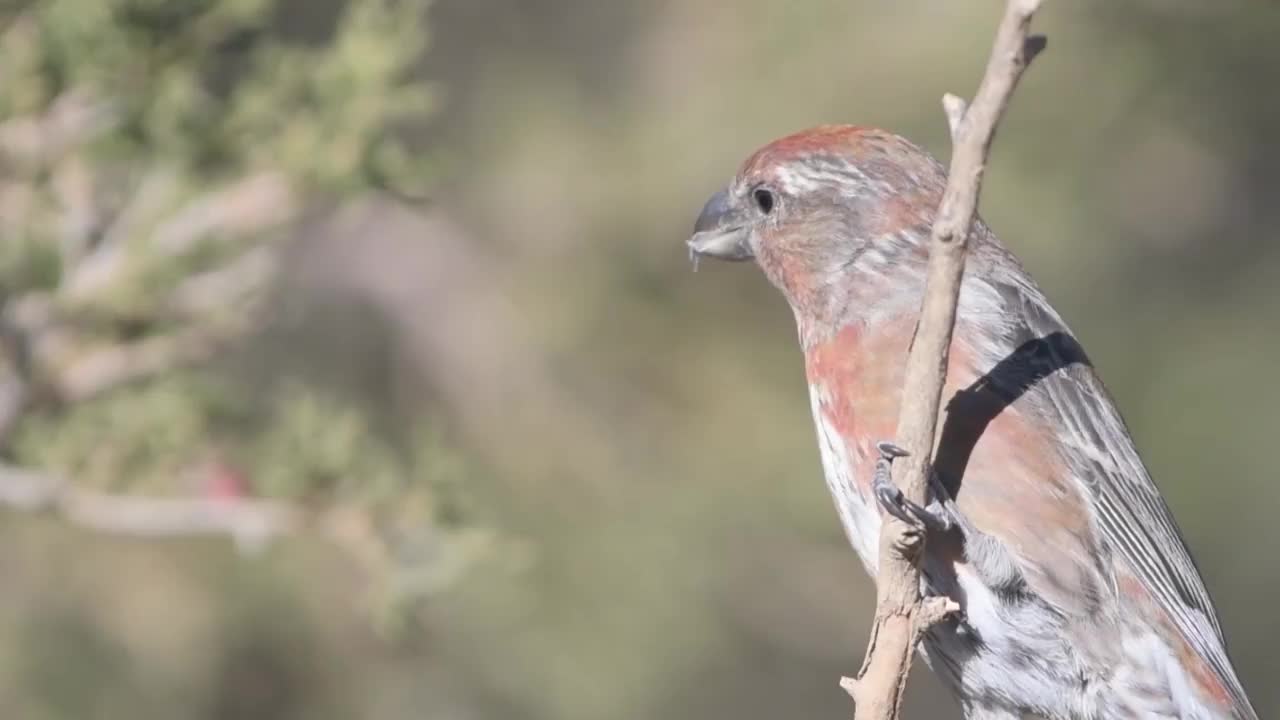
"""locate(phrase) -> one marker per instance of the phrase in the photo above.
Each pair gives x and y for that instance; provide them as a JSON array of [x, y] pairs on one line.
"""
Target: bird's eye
[[763, 198]]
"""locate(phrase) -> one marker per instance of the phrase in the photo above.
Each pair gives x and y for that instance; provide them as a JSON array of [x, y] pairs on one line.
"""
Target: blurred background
[[353, 366]]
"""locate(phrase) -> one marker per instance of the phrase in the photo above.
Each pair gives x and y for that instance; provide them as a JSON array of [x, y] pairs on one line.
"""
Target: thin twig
[[902, 617]]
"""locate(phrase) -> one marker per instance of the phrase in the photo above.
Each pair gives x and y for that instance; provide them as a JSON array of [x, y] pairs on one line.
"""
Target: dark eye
[[763, 198]]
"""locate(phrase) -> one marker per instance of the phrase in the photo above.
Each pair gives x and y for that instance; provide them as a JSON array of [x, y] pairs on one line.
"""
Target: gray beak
[[720, 231]]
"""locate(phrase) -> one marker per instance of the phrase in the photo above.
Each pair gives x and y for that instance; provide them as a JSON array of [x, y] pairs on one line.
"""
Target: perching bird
[[1079, 598]]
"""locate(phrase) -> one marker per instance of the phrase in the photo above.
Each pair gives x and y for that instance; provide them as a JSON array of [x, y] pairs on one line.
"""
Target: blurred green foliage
[[193, 94], [152, 149], [177, 97]]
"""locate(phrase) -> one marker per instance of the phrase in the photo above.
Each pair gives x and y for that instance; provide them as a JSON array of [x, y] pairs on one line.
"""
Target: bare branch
[[251, 523], [252, 204], [41, 346], [901, 616], [249, 205], [226, 288], [73, 118], [109, 259], [96, 371]]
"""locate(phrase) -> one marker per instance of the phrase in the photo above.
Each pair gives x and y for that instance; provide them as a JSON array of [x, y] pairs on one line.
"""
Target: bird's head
[[823, 210]]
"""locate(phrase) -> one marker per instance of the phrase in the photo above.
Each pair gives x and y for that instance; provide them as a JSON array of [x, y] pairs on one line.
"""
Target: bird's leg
[[988, 556], [932, 519]]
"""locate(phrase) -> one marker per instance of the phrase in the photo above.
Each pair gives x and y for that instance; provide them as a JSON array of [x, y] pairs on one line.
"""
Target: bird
[[1079, 597]]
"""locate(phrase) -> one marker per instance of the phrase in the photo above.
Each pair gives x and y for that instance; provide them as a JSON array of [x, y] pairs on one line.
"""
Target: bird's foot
[[892, 501]]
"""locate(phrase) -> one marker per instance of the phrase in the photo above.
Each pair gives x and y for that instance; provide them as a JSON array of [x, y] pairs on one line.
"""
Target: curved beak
[[721, 231]]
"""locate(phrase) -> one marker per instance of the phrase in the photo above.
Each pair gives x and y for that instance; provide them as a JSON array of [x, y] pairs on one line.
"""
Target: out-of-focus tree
[[154, 157]]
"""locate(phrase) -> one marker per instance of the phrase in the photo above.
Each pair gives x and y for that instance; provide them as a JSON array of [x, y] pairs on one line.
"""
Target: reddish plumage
[[1080, 598]]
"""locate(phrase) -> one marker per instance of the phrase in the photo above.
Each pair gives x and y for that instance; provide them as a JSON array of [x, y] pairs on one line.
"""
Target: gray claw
[[893, 502], [890, 496], [889, 451]]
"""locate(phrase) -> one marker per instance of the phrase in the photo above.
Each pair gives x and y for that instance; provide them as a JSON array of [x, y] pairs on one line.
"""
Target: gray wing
[[1131, 515]]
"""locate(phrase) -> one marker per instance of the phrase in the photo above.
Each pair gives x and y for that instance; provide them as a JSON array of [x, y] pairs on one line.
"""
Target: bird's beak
[[720, 232]]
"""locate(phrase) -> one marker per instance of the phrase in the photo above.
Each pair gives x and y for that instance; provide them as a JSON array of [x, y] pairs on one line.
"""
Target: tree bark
[[902, 615]]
